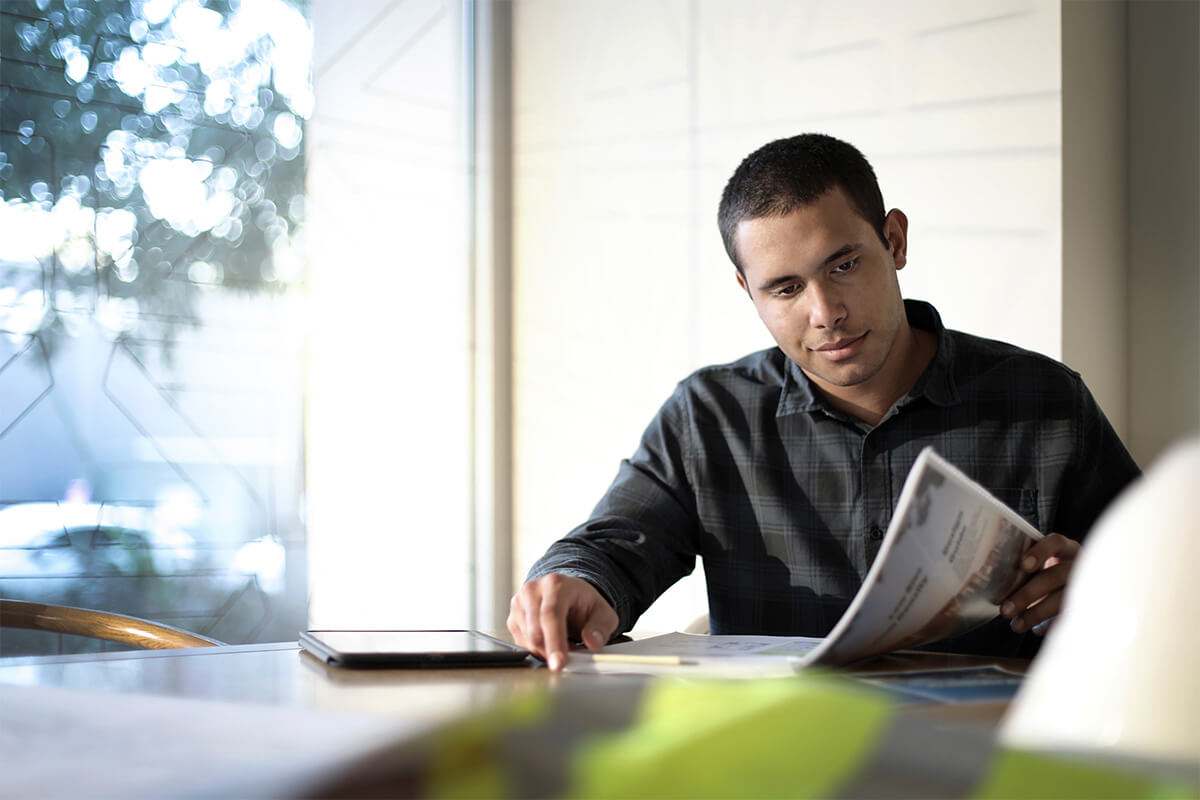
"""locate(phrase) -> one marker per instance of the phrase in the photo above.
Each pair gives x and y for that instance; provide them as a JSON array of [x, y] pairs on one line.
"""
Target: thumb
[[598, 628]]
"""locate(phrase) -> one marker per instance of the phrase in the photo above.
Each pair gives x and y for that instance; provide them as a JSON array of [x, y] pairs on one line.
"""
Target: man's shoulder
[[977, 357], [766, 368], [753, 381]]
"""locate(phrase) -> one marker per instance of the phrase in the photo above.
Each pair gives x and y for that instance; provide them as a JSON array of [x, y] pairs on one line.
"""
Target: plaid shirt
[[787, 499]]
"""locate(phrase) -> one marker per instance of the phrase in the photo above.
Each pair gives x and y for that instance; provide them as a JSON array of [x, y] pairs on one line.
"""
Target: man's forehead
[[819, 224]]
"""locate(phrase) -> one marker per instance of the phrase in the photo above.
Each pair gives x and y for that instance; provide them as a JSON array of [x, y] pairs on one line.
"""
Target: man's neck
[[870, 401]]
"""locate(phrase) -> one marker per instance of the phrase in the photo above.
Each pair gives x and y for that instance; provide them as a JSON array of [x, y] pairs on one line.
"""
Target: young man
[[781, 470]]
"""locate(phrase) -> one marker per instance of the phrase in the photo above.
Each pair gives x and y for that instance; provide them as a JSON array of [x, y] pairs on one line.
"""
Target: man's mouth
[[843, 348]]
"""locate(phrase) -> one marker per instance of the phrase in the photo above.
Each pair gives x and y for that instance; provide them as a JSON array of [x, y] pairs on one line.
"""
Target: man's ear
[[895, 230], [741, 279]]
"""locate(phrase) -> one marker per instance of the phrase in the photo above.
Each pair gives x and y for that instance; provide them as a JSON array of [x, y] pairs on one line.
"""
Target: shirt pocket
[[1022, 500]]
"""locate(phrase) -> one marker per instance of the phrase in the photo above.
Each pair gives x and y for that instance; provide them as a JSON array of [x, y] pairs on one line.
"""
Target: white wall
[[1095, 178], [629, 116], [1164, 224], [1131, 209]]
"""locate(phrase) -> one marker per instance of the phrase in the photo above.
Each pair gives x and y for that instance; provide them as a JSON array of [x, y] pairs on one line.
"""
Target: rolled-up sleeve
[[642, 536]]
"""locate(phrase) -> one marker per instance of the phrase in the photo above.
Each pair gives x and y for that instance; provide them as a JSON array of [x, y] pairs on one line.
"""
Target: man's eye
[[786, 291], [846, 266]]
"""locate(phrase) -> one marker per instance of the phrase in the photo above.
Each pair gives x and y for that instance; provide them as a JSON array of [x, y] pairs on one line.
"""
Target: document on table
[[699, 654]]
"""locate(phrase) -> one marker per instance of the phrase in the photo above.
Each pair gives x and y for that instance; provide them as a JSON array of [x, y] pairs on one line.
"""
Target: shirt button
[[876, 534]]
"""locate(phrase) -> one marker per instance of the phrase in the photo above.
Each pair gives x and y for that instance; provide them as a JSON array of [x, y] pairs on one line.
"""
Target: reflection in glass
[[151, 252]]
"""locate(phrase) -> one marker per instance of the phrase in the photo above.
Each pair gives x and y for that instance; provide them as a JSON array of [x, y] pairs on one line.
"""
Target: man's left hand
[[1048, 564]]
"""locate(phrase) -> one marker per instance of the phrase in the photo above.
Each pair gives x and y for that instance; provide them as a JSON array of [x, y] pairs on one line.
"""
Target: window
[[152, 240], [391, 380]]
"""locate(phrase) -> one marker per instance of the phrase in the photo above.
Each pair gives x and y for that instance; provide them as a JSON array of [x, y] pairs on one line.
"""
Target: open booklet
[[950, 556]]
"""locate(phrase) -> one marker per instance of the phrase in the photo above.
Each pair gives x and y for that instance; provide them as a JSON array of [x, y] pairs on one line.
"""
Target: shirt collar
[[936, 383]]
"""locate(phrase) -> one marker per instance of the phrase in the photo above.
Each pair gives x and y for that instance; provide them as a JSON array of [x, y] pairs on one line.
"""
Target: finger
[[1052, 548], [1038, 586], [518, 625], [552, 621], [598, 628], [513, 622], [531, 627], [1043, 627], [1039, 614]]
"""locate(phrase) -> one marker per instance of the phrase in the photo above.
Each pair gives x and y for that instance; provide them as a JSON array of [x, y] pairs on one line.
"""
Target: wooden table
[[252, 720], [283, 675], [278, 675], [232, 721]]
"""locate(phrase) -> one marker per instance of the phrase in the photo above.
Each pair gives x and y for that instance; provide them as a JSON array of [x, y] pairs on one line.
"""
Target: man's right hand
[[549, 609]]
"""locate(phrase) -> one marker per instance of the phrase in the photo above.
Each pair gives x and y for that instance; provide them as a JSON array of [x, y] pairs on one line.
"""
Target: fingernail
[[596, 636], [1029, 564], [1007, 609], [556, 661], [1018, 625]]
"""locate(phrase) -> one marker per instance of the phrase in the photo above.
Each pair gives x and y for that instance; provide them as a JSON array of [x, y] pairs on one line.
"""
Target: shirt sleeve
[[642, 535], [1100, 470]]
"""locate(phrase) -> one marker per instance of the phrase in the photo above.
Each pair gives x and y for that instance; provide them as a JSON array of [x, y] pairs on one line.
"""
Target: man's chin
[[850, 375]]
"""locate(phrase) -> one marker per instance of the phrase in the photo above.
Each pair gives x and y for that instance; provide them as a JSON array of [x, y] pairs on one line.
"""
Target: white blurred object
[[265, 559], [1120, 670]]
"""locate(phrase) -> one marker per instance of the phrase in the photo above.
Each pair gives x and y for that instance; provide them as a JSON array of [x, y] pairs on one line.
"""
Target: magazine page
[[951, 554]]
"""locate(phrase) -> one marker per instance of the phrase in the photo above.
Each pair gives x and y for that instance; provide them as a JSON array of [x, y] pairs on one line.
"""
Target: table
[[269, 720], [282, 675], [279, 675], [238, 720]]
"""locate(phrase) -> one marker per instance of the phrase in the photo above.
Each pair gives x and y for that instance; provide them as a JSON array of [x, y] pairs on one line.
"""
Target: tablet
[[436, 649]]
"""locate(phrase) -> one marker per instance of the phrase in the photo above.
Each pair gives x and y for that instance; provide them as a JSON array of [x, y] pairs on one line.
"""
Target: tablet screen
[[410, 648]]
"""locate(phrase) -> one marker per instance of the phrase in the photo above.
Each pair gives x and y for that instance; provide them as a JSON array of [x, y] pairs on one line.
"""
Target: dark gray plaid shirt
[[787, 499]]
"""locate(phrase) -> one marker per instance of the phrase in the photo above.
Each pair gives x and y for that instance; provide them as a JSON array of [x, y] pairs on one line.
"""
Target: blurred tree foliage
[[148, 149]]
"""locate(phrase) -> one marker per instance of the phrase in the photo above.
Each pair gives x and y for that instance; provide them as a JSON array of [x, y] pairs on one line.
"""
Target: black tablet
[[436, 649]]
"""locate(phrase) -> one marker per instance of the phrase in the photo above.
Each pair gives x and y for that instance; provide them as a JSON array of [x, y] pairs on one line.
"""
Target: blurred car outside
[[128, 559]]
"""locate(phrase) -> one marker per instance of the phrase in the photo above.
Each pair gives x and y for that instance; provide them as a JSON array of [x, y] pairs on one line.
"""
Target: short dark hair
[[787, 174]]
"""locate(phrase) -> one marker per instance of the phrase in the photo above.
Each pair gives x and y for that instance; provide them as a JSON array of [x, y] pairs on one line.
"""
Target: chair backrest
[[98, 625]]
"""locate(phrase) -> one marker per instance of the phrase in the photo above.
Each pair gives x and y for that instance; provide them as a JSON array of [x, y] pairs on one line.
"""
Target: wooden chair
[[98, 625]]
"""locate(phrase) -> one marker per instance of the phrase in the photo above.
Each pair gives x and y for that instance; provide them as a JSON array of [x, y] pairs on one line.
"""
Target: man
[[781, 470]]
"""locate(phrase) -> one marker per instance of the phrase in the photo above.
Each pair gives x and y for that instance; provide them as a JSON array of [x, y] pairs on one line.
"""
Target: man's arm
[[1100, 470], [641, 538]]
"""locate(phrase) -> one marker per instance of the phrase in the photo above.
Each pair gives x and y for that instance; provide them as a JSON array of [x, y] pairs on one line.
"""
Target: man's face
[[825, 286]]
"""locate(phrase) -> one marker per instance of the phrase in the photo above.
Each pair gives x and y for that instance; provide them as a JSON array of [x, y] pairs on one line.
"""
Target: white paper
[[699, 654], [951, 554]]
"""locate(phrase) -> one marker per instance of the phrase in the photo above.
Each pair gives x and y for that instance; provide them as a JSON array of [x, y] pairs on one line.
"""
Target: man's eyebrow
[[780, 281], [832, 258], [842, 252]]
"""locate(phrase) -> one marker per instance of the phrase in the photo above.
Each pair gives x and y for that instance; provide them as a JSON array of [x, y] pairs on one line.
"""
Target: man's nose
[[826, 309]]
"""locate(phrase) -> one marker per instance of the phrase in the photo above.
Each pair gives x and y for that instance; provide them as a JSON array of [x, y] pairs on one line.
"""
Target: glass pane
[[389, 415], [152, 172]]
